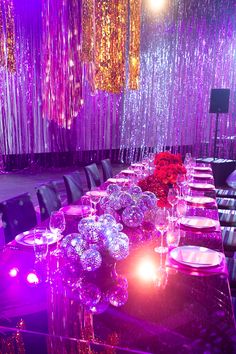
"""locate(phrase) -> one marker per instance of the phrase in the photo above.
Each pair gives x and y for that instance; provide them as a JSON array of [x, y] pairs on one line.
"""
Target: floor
[[13, 184]]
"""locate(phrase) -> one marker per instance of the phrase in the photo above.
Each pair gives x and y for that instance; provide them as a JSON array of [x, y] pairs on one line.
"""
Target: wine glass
[[95, 197], [161, 224], [173, 236], [181, 181], [57, 223], [40, 244], [181, 208], [173, 197]]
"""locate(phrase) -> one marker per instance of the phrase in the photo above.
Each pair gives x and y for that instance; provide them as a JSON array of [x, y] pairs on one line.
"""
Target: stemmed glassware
[[95, 197], [161, 224], [173, 236], [40, 244], [181, 181], [173, 197], [181, 208], [57, 223]]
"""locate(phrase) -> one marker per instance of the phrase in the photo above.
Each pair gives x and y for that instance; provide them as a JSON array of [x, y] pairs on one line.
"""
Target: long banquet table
[[188, 311]]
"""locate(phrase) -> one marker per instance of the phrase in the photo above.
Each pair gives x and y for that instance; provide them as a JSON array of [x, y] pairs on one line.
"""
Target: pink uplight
[[32, 278], [13, 272], [146, 270]]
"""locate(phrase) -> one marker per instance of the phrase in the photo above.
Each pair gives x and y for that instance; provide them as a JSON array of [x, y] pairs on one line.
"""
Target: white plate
[[202, 186], [128, 172], [198, 222], [118, 180], [77, 210], [202, 176], [197, 257], [100, 193], [137, 165], [27, 238], [202, 168], [200, 200]]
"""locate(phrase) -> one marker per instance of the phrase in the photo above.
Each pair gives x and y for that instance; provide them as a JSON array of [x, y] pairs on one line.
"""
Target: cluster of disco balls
[[95, 237], [131, 204], [98, 242], [97, 299]]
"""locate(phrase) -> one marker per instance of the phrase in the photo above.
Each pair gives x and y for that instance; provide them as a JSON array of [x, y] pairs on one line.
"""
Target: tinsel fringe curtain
[[186, 50]]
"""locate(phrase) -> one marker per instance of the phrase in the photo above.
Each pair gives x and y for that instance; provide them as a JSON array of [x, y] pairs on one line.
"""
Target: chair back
[[48, 200], [106, 169], [18, 215], [92, 176], [74, 189]]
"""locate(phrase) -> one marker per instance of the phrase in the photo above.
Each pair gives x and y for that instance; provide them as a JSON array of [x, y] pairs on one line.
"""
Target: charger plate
[[202, 186], [200, 200], [118, 180], [77, 210], [197, 257], [100, 193], [27, 238], [202, 175], [198, 222], [202, 168], [127, 172]]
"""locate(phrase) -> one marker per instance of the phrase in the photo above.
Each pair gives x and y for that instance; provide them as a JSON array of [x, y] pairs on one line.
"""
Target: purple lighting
[[13, 272], [32, 278]]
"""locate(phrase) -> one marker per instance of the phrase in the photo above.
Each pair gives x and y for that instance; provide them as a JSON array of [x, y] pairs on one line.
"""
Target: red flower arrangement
[[167, 168]]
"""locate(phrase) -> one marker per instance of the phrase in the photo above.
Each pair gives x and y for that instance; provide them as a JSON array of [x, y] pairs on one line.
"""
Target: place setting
[[197, 260]]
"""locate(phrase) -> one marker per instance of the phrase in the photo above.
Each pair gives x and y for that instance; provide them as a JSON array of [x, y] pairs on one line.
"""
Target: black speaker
[[219, 101]]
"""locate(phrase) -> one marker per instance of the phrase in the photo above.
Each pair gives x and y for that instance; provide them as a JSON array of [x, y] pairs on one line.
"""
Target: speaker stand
[[216, 131]]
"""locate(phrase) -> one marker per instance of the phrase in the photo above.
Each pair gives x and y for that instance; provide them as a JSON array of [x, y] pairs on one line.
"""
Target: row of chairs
[[226, 202], [18, 213]]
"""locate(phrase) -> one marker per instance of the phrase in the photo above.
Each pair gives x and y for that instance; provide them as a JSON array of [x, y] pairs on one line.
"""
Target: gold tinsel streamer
[[111, 23], [2, 39], [10, 35], [88, 32], [134, 44]]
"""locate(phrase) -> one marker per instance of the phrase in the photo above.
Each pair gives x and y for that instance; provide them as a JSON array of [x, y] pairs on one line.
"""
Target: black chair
[[229, 239], [226, 193], [48, 200], [92, 176], [74, 189], [18, 215], [227, 217], [226, 203], [106, 169]]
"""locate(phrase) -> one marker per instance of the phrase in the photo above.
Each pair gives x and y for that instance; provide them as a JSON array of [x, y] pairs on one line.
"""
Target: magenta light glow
[[32, 278], [146, 270], [13, 272]]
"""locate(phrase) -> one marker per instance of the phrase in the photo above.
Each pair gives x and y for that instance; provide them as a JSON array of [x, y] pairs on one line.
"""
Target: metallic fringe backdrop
[[111, 23], [186, 49], [134, 44], [7, 35], [88, 33], [61, 62]]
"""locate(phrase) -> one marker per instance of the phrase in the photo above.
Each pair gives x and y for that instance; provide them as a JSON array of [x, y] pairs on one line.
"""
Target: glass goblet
[[57, 223], [181, 181], [173, 197], [95, 197], [181, 208], [40, 244], [173, 236], [161, 224]]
